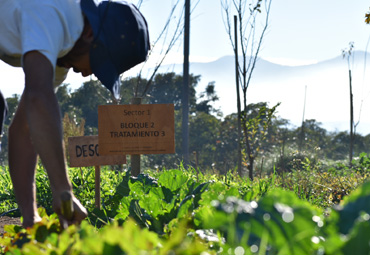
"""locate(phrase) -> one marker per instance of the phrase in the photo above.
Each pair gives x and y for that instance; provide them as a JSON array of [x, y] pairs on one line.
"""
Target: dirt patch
[[5, 220]]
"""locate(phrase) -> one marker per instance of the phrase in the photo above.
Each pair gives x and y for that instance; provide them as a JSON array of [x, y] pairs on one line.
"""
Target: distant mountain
[[327, 97]]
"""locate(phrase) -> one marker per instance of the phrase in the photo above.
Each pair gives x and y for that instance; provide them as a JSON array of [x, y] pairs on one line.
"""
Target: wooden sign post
[[135, 158], [84, 151], [136, 129]]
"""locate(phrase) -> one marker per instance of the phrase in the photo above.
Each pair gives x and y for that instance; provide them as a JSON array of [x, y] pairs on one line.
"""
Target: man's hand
[[76, 212]]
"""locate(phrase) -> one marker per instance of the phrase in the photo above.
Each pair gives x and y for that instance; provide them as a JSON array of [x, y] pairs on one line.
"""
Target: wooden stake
[[97, 187], [67, 208], [67, 205], [135, 159]]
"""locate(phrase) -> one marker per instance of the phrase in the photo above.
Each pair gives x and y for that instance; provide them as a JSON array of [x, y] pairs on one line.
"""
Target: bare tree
[[172, 30], [251, 35], [165, 40]]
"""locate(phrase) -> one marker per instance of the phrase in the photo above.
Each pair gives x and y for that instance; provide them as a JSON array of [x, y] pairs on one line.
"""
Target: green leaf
[[112, 249], [123, 210], [286, 221], [41, 233], [123, 188], [12, 229], [354, 205], [154, 203], [173, 180], [358, 239], [185, 206]]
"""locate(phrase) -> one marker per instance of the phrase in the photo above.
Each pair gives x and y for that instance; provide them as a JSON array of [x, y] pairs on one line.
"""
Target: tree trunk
[[351, 121], [238, 96], [249, 156]]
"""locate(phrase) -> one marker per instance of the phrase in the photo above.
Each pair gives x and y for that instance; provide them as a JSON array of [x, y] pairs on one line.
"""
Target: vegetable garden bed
[[182, 211]]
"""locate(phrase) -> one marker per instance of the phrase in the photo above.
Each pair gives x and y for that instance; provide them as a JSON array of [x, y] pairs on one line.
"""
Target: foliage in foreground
[[185, 212]]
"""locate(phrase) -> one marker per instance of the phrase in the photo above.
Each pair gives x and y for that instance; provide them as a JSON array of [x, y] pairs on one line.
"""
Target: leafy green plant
[[154, 203], [7, 197], [181, 211], [278, 222], [361, 164]]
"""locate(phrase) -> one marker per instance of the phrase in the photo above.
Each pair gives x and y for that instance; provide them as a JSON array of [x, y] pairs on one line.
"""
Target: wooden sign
[[84, 151], [136, 129]]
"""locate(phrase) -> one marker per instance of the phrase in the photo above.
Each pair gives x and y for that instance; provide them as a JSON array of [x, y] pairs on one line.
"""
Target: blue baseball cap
[[121, 40]]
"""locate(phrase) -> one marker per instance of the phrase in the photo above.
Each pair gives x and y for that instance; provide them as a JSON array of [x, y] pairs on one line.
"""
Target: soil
[[5, 220]]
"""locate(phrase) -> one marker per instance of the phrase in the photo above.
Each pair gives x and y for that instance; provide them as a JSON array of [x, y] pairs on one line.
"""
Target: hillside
[[327, 98]]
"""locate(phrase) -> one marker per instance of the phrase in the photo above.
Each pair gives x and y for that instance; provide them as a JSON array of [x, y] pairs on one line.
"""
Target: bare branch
[[162, 36], [178, 32], [227, 21], [251, 39], [176, 35], [268, 2]]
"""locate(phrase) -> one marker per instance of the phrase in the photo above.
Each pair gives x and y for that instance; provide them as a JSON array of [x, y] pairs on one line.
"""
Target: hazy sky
[[300, 32]]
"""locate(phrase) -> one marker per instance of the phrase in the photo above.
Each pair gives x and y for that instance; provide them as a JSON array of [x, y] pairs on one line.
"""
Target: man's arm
[[43, 117], [45, 127]]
